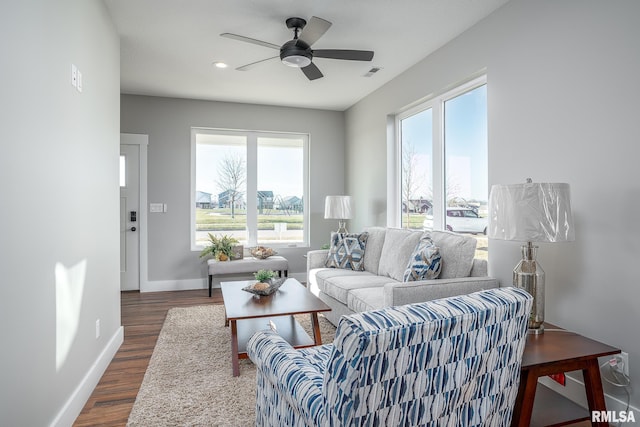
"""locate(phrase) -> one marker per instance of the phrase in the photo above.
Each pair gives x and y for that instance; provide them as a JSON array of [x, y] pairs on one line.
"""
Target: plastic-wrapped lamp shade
[[531, 212], [337, 207]]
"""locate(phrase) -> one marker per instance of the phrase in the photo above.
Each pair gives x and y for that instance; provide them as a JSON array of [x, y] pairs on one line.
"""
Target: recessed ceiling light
[[220, 64]]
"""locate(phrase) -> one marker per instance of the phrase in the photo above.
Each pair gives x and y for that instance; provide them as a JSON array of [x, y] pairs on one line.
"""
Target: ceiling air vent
[[372, 71]]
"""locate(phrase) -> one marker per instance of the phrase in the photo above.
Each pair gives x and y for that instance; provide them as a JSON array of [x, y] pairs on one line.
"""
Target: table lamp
[[338, 207], [531, 212]]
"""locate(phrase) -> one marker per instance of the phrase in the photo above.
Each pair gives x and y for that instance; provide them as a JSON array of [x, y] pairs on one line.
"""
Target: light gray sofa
[[386, 256]]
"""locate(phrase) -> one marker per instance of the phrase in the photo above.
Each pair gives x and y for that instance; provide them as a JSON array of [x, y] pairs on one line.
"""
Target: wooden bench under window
[[246, 266]]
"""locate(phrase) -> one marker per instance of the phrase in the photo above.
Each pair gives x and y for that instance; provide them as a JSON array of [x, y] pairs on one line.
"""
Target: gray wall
[[563, 106], [59, 191], [168, 123]]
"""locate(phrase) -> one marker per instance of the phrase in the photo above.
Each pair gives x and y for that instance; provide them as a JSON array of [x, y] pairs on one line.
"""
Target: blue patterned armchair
[[448, 362]]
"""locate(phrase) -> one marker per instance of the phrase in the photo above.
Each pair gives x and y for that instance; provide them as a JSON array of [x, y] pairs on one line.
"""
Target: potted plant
[[263, 286], [220, 248], [263, 276]]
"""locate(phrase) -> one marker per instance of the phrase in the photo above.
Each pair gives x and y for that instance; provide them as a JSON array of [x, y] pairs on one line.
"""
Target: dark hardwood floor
[[142, 317]]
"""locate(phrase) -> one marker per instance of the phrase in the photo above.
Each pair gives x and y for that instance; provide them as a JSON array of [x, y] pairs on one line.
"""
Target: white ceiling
[[168, 46]]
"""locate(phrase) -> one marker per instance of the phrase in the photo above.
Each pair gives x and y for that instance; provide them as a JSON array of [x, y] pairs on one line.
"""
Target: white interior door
[[129, 217]]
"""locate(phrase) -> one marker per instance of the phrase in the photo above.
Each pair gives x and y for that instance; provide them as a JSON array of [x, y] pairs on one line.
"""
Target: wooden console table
[[557, 351]]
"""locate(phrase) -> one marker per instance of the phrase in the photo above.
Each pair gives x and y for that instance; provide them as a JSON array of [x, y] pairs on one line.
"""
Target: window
[[416, 167], [249, 185], [441, 163], [281, 189], [465, 148]]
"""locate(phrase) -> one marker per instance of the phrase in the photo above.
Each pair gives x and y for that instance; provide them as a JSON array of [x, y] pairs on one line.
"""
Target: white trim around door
[[142, 141]]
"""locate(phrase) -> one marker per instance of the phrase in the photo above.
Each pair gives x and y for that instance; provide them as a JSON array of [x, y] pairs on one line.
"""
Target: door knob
[[132, 229]]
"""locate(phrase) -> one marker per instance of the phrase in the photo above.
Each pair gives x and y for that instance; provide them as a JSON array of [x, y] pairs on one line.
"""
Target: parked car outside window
[[459, 220]]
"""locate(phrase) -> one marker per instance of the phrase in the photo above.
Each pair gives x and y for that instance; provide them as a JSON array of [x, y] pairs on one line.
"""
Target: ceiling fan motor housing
[[295, 53]]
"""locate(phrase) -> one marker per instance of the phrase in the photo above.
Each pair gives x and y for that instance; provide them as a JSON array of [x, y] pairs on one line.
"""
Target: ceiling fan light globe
[[297, 61]]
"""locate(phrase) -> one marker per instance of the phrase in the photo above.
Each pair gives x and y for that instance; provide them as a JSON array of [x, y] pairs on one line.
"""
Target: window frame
[[252, 137], [394, 178]]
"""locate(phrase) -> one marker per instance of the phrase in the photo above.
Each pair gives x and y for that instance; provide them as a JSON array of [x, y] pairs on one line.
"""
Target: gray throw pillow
[[457, 253], [398, 246]]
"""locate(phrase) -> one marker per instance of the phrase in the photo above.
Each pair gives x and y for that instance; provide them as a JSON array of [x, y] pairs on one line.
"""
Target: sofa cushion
[[374, 248], [425, 262], [322, 275], [338, 286], [347, 251], [366, 299], [457, 253], [396, 251]]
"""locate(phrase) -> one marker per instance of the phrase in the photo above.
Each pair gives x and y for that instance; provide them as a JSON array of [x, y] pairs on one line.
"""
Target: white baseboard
[[81, 394], [191, 284], [173, 285], [574, 390]]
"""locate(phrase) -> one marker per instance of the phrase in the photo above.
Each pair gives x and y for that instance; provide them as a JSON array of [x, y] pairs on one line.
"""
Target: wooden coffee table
[[248, 313]]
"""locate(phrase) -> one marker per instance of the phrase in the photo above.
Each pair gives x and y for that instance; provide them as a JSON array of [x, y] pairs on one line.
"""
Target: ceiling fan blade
[[351, 55], [250, 40], [253, 64], [315, 28], [312, 72]]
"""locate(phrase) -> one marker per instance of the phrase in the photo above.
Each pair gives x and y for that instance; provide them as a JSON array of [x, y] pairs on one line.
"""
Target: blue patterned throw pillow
[[347, 251], [425, 262]]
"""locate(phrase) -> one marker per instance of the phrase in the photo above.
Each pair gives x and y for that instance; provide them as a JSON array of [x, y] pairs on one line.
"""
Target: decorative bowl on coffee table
[[257, 289]]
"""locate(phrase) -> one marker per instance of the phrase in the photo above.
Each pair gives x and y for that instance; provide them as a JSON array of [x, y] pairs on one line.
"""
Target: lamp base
[[342, 227], [536, 331], [528, 275]]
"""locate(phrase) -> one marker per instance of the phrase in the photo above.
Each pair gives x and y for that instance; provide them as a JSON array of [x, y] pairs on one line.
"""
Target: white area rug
[[189, 381]]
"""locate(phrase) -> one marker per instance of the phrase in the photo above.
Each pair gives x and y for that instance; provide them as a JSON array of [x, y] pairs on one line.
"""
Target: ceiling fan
[[298, 53]]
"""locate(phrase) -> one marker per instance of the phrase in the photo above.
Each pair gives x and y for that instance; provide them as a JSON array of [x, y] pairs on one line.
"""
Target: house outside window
[[249, 185], [441, 178]]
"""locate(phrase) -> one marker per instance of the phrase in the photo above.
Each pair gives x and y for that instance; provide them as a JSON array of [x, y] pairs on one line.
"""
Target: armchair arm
[[316, 258], [282, 371], [427, 290]]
